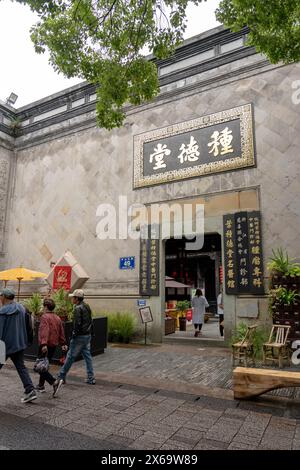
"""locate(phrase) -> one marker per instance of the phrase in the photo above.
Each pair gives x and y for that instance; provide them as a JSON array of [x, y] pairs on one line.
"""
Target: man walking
[[51, 334], [80, 342], [14, 334]]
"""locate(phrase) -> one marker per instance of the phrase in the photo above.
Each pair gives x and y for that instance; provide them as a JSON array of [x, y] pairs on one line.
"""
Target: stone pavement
[[179, 367], [152, 413], [113, 416]]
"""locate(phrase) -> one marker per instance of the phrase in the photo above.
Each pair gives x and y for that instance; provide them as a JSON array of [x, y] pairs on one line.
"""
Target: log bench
[[251, 382]]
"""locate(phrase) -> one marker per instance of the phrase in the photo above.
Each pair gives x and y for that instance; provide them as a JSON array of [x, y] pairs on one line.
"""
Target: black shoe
[[56, 386], [90, 381], [40, 388], [29, 397]]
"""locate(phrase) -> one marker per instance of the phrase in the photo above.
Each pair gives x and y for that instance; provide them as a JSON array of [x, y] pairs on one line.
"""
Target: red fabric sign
[[62, 277]]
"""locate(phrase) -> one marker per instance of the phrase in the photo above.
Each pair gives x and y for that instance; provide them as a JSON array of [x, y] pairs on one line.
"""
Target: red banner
[[62, 277]]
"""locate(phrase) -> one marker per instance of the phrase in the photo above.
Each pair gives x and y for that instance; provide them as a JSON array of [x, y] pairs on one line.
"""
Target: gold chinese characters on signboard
[[210, 144]]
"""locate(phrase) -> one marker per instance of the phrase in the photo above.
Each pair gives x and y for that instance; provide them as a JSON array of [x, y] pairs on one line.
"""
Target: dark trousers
[[18, 361], [46, 376], [196, 325], [221, 318]]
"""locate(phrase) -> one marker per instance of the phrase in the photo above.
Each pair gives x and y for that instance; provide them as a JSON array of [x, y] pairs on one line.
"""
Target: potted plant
[[34, 304], [182, 307], [63, 304], [281, 267]]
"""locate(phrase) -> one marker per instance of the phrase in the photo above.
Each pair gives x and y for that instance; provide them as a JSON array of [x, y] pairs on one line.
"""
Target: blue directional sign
[[127, 263]]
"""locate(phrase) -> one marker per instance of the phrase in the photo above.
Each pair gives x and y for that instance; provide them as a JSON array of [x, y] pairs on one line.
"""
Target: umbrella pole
[[19, 288]]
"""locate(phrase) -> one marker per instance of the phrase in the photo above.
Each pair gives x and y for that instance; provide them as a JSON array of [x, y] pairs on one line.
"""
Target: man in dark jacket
[[13, 333], [80, 342]]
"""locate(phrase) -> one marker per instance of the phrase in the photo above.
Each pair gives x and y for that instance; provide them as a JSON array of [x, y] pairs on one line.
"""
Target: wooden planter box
[[98, 343], [170, 326], [287, 314]]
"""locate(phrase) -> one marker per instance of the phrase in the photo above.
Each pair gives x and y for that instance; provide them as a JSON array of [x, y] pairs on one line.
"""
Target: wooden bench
[[251, 382]]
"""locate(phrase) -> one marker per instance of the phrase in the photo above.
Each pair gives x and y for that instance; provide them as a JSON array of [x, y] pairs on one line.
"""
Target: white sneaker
[[29, 397], [56, 386]]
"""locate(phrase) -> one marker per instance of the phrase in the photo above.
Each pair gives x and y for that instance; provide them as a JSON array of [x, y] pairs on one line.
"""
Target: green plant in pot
[[281, 265], [121, 327], [282, 297], [182, 306], [34, 304], [63, 304]]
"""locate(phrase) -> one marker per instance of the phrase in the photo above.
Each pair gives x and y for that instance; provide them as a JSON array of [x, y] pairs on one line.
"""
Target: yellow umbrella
[[20, 274]]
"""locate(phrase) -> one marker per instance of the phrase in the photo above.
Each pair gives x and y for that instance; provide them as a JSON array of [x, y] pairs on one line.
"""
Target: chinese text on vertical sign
[[243, 253], [149, 263]]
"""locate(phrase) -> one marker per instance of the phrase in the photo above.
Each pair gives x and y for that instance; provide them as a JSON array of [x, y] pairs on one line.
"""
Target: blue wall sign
[[141, 302], [127, 263]]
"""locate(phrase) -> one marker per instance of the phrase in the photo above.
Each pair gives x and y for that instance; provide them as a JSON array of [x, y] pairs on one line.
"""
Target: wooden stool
[[244, 349], [275, 350]]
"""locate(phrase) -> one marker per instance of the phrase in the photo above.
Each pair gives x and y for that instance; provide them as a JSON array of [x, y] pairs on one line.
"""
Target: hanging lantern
[[221, 274]]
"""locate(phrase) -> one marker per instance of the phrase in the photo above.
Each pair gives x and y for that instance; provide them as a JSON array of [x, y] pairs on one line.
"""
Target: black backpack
[[29, 326]]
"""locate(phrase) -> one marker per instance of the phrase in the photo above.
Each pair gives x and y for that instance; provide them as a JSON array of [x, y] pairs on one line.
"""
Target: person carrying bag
[[51, 335]]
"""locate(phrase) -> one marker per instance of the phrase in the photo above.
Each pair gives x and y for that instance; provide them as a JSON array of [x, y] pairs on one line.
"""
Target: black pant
[[221, 318], [46, 376], [18, 361], [198, 324]]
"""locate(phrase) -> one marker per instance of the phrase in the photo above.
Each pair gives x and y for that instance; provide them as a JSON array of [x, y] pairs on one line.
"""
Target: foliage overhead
[[274, 25], [104, 41]]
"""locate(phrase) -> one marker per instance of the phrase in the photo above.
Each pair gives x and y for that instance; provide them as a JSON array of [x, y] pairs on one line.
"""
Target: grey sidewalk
[[112, 416], [184, 368], [159, 397]]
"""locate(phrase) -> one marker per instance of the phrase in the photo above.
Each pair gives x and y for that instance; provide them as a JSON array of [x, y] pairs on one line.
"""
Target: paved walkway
[[210, 331], [182, 367], [158, 397], [110, 416]]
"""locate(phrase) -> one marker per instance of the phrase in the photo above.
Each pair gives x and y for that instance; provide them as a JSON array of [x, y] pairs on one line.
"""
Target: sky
[[30, 76]]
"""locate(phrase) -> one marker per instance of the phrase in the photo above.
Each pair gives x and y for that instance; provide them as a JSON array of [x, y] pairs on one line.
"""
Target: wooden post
[[19, 287]]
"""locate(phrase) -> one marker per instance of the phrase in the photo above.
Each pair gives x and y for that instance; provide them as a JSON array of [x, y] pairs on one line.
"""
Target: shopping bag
[[2, 352]]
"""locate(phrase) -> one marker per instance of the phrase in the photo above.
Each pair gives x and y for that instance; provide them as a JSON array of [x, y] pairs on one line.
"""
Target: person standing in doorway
[[51, 334], [13, 333], [80, 342], [221, 312], [199, 304]]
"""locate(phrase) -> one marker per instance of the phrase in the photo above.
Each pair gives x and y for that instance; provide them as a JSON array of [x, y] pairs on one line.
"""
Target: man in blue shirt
[[13, 333]]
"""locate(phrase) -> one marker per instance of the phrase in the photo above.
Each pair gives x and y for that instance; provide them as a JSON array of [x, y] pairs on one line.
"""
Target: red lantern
[[221, 274]]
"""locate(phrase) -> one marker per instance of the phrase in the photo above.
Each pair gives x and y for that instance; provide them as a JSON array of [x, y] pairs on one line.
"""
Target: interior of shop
[[187, 270]]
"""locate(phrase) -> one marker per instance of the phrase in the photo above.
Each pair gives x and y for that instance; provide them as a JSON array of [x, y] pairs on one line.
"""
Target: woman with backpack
[[51, 335]]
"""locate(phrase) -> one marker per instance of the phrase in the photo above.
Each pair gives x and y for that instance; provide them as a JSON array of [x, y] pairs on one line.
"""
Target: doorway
[[187, 270]]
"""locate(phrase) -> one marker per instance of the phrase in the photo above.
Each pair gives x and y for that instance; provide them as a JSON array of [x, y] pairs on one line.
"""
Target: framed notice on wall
[[146, 315]]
